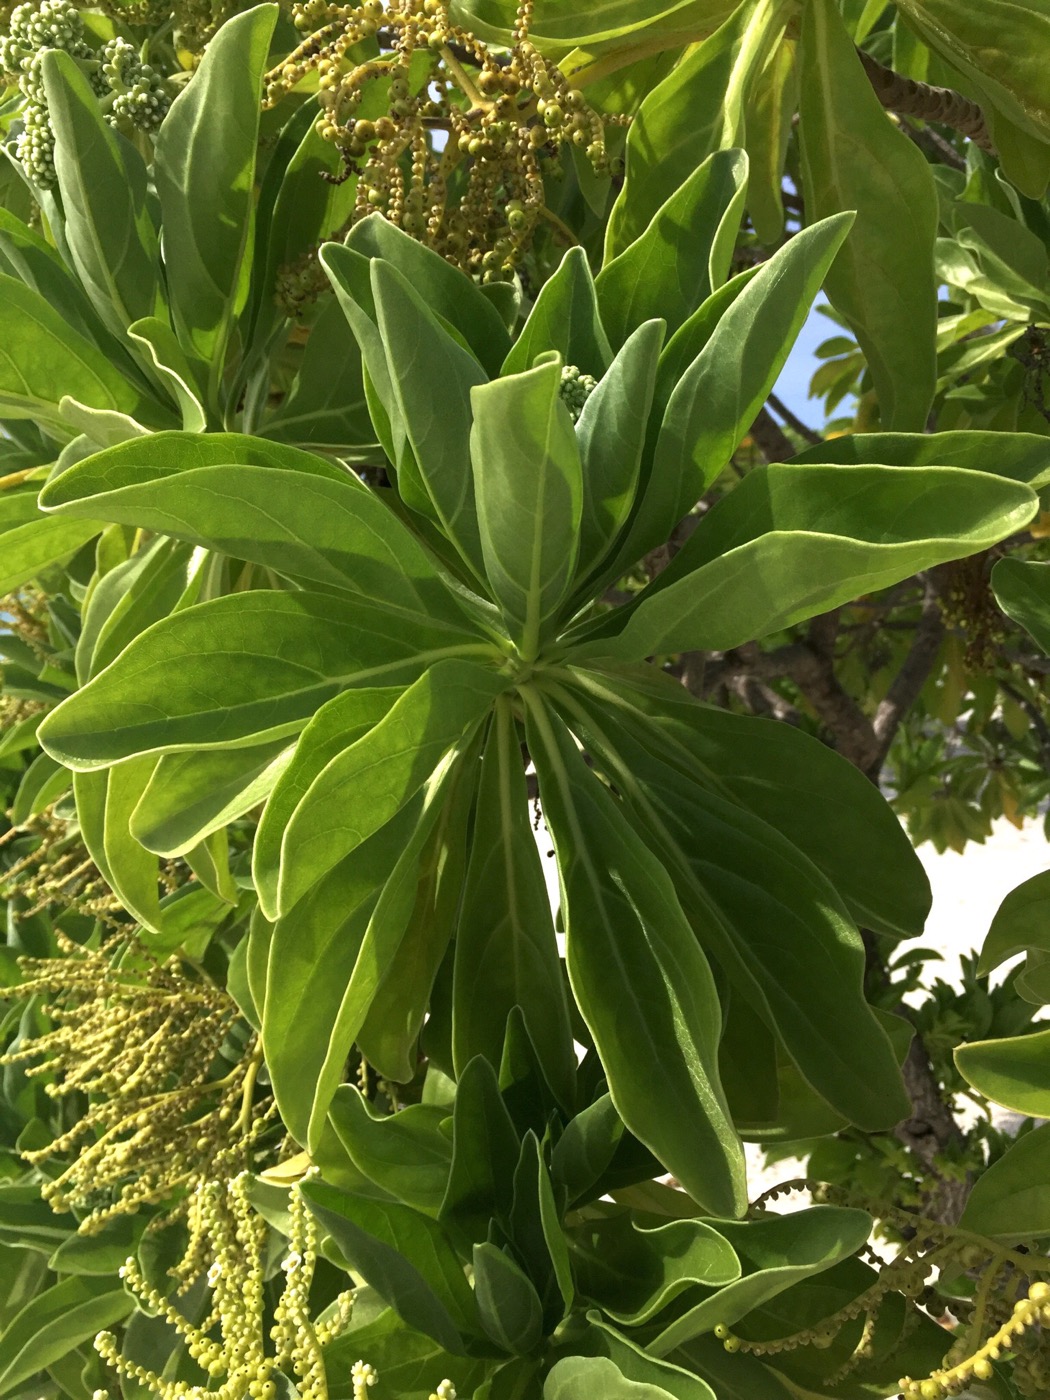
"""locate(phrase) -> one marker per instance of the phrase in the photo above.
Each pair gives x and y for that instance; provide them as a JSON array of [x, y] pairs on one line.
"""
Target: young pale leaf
[[1013, 1072], [639, 976], [828, 539], [103, 187], [1011, 1200], [205, 174], [683, 255], [506, 950], [55, 1322], [776, 1254], [362, 787], [404, 1256], [529, 485], [432, 378], [42, 361], [237, 671], [1022, 590], [565, 318], [853, 157], [696, 110]]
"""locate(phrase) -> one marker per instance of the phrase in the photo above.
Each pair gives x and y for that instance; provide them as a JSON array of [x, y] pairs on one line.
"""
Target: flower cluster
[[575, 389], [131, 93], [444, 136], [230, 1345], [1029, 1314], [151, 1049]]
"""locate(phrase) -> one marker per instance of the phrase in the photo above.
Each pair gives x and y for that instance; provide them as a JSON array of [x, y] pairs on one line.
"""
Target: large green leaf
[[853, 157], [1014, 1071], [406, 1153], [696, 110], [56, 1322], [485, 1151], [1011, 1200], [634, 1272], [205, 173], [1022, 590], [776, 1252], [366, 784], [789, 542], [237, 671], [43, 360], [272, 505], [803, 788], [1021, 922], [1022, 457], [506, 951], [781, 936], [716, 399], [529, 485], [682, 256], [645, 1374], [31, 540], [611, 434], [638, 975], [564, 24], [404, 1256], [103, 187]]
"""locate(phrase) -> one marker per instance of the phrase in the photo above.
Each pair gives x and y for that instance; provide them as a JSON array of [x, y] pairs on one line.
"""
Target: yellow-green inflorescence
[[443, 135], [166, 1116], [237, 1354]]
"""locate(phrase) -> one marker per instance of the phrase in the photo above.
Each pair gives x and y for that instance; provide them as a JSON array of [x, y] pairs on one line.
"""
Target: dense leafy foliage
[[386, 468]]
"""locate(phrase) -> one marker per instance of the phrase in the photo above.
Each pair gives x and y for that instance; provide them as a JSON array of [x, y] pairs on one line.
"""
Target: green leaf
[[535, 1230], [406, 1153], [508, 1304], [103, 187], [638, 975], [1020, 923], [853, 157], [31, 541], [42, 360], [272, 505], [43, 781], [1014, 1071], [100, 1253], [506, 950], [325, 407], [183, 378], [404, 1256], [311, 1010], [56, 1321], [407, 1361], [716, 399], [455, 298], [640, 1367], [563, 24], [586, 1147], [1023, 457], [776, 1253], [789, 542], [769, 110], [682, 256], [582, 1377], [565, 317], [529, 486], [432, 377], [205, 173], [237, 671], [1011, 1199], [782, 937], [363, 787], [485, 1152], [635, 1272], [130, 868], [1022, 590], [190, 795], [696, 110], [611, 435], [815, 798]]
